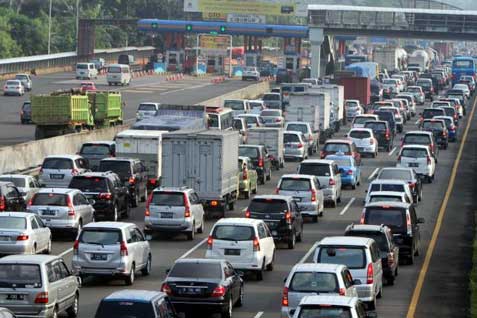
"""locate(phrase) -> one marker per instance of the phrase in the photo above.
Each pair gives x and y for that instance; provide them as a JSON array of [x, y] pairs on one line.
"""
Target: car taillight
[[166, 289], [105, 196], [350, 172], [74, 172], [288, 216], [332, 182], [30, 202], [412, 185], [428, 160], [408, 224], [342, 292], [313, 195], [247, 213], [75, 247], [361, 219], [390, 258], [256, 244], [370, 274], [22, 237], [388, 134], [148, 204], [322, 154], [123, 249], [3, 204], [41, 298], [186, 207], [219, 291], [299, 146], [152, 182], [71, 208], [245, 174], [260, 162], [132, 180], [210, 242], [285, 297]]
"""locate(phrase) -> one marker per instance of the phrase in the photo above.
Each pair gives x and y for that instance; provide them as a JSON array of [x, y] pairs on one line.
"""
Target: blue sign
[[201, 68], [159, 67]]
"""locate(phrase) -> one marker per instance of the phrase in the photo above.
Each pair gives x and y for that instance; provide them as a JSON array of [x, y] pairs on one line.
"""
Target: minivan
[[58, 170], [118, 74], [86, 71], [95, 151]]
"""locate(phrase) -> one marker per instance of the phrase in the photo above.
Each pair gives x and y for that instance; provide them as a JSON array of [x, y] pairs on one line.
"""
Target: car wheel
[[191, 233], [127, 212], [292, 241], [73, 310], [269, 177], [299, 238], [333, 204], [380, 294], [48, 247], [33, 249], [239, 302], [201, 228], [55, 313], [390, 280], [353, 186], [147, 269], [228, 310], [410, 259], [262, 180], [131, 277], [371, 305], [420, 195], [270, 265], [314, 219], [339, 199]]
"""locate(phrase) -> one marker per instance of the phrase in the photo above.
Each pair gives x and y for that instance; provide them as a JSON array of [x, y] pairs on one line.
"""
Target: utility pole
[[49, 28], [77, 24]]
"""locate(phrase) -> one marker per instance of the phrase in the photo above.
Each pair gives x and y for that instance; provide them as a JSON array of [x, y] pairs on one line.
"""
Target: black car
[[132, 174], [439, 130], [384, 238], [10, 198], [106, 189], [429, 113], [283, 76], [281, 214], [427, 87], [387, 115], [97, 150], [382, 133], [25, 113], [435, 81], [206, 285], [405, 174], [401, 218], [261, 161]]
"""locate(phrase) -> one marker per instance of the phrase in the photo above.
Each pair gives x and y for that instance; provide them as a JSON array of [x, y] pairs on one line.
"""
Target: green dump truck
[[66, 112]]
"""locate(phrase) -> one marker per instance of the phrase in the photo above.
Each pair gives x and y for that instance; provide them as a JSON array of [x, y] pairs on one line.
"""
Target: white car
[[439, 104], [252, 120], [246, 243], [256, 106], [332, 306], [463, 87], [26, 81], [360, 120], [146, 110], [353, 108], [388, 185], [388, 196], [310, 279], [13, 87], [58, 170], [419, 158], [364, 140], [27, 185], [393, 85], [250, 72]]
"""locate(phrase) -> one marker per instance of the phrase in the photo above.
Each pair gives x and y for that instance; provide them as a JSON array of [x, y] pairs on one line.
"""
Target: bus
[[462, 65]]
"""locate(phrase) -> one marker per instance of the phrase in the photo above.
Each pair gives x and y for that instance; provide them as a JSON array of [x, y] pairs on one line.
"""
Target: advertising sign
[[260, 7], [246, 18]]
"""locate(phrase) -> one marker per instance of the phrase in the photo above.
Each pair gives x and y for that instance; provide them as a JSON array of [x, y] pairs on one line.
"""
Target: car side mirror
[[79, 280], [356, 282], [91, 201], [421, 221]]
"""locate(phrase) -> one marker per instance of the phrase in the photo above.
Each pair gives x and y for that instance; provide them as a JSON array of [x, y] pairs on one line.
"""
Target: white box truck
[[206, 161], [272, 139], [337, 99], [387, 58], [145, 145]]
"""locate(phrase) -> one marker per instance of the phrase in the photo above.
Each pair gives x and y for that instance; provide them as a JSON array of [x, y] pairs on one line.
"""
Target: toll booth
[[252, 58], [215, 64], [175, 60], [292, 62]]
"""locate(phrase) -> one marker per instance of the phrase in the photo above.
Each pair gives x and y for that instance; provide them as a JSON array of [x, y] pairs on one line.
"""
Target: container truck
[[419, 58], [388, 58], [336, 93], [272, 139], [206, 161], [357, 88], [145, 145], [66, 112], [172, 117]]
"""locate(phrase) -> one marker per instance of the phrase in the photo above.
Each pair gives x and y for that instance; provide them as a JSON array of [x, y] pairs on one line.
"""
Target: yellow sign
[[261, 7], [214, 16], [214, 42]]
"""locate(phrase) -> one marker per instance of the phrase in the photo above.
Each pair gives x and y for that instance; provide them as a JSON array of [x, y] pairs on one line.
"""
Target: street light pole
[[77, 24]]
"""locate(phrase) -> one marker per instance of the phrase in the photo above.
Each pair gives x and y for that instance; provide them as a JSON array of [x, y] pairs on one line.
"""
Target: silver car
[[58, 170], [13, 87], [295, 145], [27, 185], [112, 249], [272, 117], [146, 110], [62, 209], [23, 233], [26, 81], [38, 286]]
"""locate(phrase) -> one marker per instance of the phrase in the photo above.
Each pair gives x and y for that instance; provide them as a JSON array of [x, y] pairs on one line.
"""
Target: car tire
[[371, 305], [314, 219], [292, 241], [48, 248], [270, 265], [339, 199], [191, 234], [299, 238], [262, 179], [390, 280], [227, 313], [231, 205], [353, 186], [127, 211], [147, 269], [333, 204], [259, 274], [73, 310], [129, 280], [380, 294], [269, 176], [201, 228], [239, 302]]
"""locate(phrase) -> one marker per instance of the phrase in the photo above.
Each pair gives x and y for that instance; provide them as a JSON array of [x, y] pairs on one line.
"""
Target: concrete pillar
[[316, 39]]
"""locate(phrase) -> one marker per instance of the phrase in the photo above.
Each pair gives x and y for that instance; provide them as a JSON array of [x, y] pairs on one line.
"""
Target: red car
[[341, 146], [88, 86]]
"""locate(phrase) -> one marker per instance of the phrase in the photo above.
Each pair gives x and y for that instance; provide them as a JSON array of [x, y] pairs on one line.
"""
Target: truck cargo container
[[206, 161], [365, 69], [388, 58], [172, 117], [357, 88], [419, 58], [272, 139], [336, 93]]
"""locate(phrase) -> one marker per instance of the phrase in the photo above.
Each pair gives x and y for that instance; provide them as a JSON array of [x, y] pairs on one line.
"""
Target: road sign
[[260, 7], [214, 44], [214, 16], [246, 18]]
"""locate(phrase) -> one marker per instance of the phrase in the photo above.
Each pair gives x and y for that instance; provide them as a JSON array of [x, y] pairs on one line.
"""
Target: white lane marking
[[259, 314], [192, 250], [347, 206], [310, 251], [183, 89], [137, 91], [392, 151], [371, 176], [66, 252]]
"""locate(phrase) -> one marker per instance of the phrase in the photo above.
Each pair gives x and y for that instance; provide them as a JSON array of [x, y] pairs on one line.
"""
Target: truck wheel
[[231, 205], [292, 241], [254, 191]]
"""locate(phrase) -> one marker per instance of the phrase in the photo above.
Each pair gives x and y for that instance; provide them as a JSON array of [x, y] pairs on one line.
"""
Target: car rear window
[[50, 199], [315, 169], [250, 152], [233, 233], [352, 256], [359, 134], [429, 113], [449, 111], [196, 270], [324, 311], [275, 97], [337, 147], [387, 187], [414, 153], [295, 184], [125, 309], [270, 113], [234, 104], [395, 218], [314, 282], [12, 223], [100, 236], [362, 120], [18, 182], [57, 163], [395, 174], [121, 168], [379, 237], [268, 206], [95, 149], [89, 184], [147, 107], [385, 198], [20, 276], [290, 138], [417, 139], [297, 127], [168, 198], [432, 125], [375, 126]]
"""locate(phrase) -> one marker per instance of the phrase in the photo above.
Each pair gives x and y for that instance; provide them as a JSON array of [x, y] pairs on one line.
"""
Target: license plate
[[167, 215], [48, 212], [413, 164], [4, 238], [57, 176], [191, 291], [15, 297], [298, 199], [232, 251], [99, 257]]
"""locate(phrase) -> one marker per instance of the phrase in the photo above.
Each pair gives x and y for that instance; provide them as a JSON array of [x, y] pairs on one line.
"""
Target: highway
[[153, 88], [262, 299]]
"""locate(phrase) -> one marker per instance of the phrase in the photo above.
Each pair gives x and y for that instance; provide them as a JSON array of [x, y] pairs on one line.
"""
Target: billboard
[[214, 44], [257, 7]]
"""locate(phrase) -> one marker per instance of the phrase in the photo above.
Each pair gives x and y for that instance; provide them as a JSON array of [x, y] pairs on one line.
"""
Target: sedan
[[272, 117], [23, 233], [13, 87], [88, 87], [207, 284], [463, 87]]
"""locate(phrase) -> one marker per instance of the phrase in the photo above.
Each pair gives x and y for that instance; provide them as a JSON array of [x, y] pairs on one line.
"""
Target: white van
[[86, 71], [118, 74]]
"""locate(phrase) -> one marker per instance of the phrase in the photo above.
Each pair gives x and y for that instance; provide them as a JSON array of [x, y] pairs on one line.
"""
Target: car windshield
[[392, 217], [82, 66], [449, 111], [379, 237], [273, 113], [351, 256], [12, 223], [295, 184], [168, 198], [317, 311], [125, 309], [298, 127], [414, 153], [57, 163], [268, 206], [417, 139], [439, 104], [288, 138], [18, 182], [233, 233], [437, 125], [385, 198], [362, 120], [234, 104], [147, 107], [196, 270], [255, 105], [315, 169], [248, 152], [121, 168], [336, 147], [351, 104], [395, 174], [12, 83], [89, 184], [359, 134], [314, 282], [454, 96], [95, 149], [100, 236], [50, 199], [20, 276]]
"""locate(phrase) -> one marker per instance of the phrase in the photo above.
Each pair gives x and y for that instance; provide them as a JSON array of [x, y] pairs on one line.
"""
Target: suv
[[111, 249], [439, 130], [420, 159], [250, 72], [384, 238], [133, 175], [360, 120], [429, 113], [281, 214], [363, 259], [25, 113], [136, 303], [390, 118], [26, 81], [58, 170], [382, 133], [97, 150], [11, 198], [295, 145], [38, 286], [332, 306], [26, 184], [427, 86], [246, 243], [110, 196], [62, 209], [174, 210], [406, 174], [402, 219], [147, 110], [311, 137], [328, 175], [261, 161]]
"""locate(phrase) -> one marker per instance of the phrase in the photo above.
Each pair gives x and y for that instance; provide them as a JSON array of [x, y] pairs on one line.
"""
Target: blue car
[[350, 171]]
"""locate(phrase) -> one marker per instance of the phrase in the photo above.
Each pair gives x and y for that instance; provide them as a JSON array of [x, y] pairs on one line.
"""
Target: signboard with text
[[257, 7], [214, 44]]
